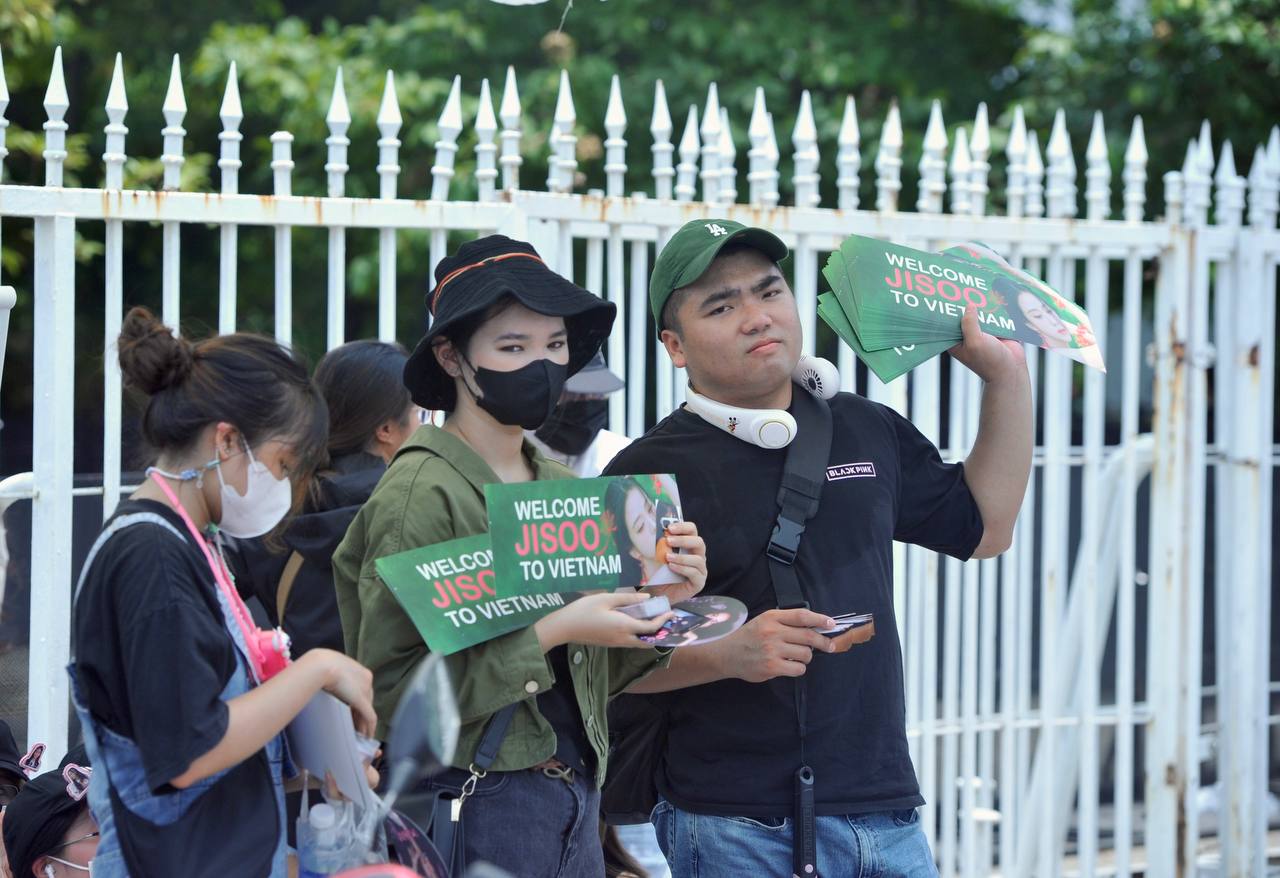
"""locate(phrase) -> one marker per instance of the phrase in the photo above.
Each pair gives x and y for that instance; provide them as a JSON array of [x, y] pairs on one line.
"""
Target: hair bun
[[151, 357]]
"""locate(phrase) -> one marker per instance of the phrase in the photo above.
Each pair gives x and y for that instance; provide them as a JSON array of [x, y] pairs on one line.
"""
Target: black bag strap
[[803, 474], [494, 733], [800, 492]]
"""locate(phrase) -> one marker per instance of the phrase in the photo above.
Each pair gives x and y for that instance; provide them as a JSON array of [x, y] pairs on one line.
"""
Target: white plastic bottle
[[324, 852]]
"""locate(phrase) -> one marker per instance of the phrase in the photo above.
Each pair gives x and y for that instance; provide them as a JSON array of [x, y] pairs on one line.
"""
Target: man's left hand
[[689, 562], [990, 358]]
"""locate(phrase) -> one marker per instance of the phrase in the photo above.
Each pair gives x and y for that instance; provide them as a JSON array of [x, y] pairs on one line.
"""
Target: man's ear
[[675, 347]]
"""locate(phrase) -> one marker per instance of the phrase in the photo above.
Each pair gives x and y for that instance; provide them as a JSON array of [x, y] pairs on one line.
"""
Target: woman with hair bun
[[182, 705]]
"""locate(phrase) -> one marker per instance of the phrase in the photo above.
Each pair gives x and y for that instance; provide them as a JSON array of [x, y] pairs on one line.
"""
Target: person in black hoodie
[[370, 417]]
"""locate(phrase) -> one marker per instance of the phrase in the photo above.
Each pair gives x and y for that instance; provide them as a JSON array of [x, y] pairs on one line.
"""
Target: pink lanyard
[[268, 651]]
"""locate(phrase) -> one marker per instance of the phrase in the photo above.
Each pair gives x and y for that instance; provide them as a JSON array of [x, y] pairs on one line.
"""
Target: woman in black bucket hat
[[506, 333]]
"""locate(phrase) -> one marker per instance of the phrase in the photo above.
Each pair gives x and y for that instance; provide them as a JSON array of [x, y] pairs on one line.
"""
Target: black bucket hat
[[481, 273]]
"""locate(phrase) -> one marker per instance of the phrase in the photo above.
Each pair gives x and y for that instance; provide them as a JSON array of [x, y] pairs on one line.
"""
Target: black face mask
[[573, 426], [523, 397]]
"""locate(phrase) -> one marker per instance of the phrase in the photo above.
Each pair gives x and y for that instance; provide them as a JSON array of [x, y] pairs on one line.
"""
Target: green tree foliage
[[1174, 61]]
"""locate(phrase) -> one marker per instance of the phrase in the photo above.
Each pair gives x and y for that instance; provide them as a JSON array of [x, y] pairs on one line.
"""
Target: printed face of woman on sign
[[1044, 320], [642, 529]]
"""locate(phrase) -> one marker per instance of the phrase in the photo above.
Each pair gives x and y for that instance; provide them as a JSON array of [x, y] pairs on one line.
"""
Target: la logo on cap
[[716, 230]]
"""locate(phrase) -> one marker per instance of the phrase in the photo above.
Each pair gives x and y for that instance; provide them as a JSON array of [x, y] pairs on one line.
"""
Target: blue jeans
[[886, 843]]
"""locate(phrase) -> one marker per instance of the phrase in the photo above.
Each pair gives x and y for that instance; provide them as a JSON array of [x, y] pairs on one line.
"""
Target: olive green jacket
[[432, 492]]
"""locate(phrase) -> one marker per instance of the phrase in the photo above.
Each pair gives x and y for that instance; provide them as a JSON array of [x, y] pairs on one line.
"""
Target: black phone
[[682, 622]]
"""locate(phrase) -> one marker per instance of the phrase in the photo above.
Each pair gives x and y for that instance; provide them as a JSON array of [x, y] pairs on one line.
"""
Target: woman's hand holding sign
[[594, 620]]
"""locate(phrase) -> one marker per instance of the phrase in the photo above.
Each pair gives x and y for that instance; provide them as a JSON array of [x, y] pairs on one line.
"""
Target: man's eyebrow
[[720, 296], [766, 282]]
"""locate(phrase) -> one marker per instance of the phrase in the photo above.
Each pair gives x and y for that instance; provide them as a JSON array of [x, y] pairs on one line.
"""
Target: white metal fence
[[1058, 717]]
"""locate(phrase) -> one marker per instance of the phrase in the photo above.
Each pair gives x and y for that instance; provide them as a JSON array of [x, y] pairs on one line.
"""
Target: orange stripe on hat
[[435, 297]]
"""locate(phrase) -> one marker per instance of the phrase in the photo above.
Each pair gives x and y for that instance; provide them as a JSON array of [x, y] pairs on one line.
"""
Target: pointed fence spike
[[339, 120], [660, 122], [804, 137], [1263, 191], [4, 123], [231, 114], [450, 126], [758, 155], [1097, 173], [710, 131], [728, 161], [1273, 149], [56, 104], [4, 87], [933, 163], [56, 101], [1135, 173], [510, 107], [848, 157], [1196, 184], [1035, 177], [771, 195], [117, 100], [615, 146], [1016, 153], [563, 166], [980, 141], [889, 162], [175, 99], [389, 118], [805, 128], [935, 135], [509, 112], [1206, 148], [980, 167], [339, 113], [1061, 186], [615, 114], [849, 131], [486, 120], [711, 113], [687, 170], [1229, 210], [450, 123], [960, 167], [660, 127], [389, 122], [486, 151], [1226, 163], [758, 128], [113, 158], [174, 111]]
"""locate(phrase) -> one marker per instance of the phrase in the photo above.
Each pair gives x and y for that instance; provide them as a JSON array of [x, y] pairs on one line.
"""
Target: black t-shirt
[[153, 654], [733, 747], [559, 706]]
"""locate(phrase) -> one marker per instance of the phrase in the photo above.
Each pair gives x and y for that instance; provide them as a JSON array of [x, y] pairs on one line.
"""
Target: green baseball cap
[[691, 250]]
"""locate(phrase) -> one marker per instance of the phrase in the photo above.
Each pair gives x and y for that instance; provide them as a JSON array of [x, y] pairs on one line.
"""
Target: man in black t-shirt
[[726, 314]]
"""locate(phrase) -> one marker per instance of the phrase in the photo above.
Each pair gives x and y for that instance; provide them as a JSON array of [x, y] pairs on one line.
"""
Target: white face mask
[[261, 507]]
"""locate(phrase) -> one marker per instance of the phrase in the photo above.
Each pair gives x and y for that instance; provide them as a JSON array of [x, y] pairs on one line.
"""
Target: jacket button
[[531, 687], [577, 657]]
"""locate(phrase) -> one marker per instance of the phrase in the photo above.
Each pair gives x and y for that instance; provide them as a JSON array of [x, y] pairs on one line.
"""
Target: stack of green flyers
[[897, 307]]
